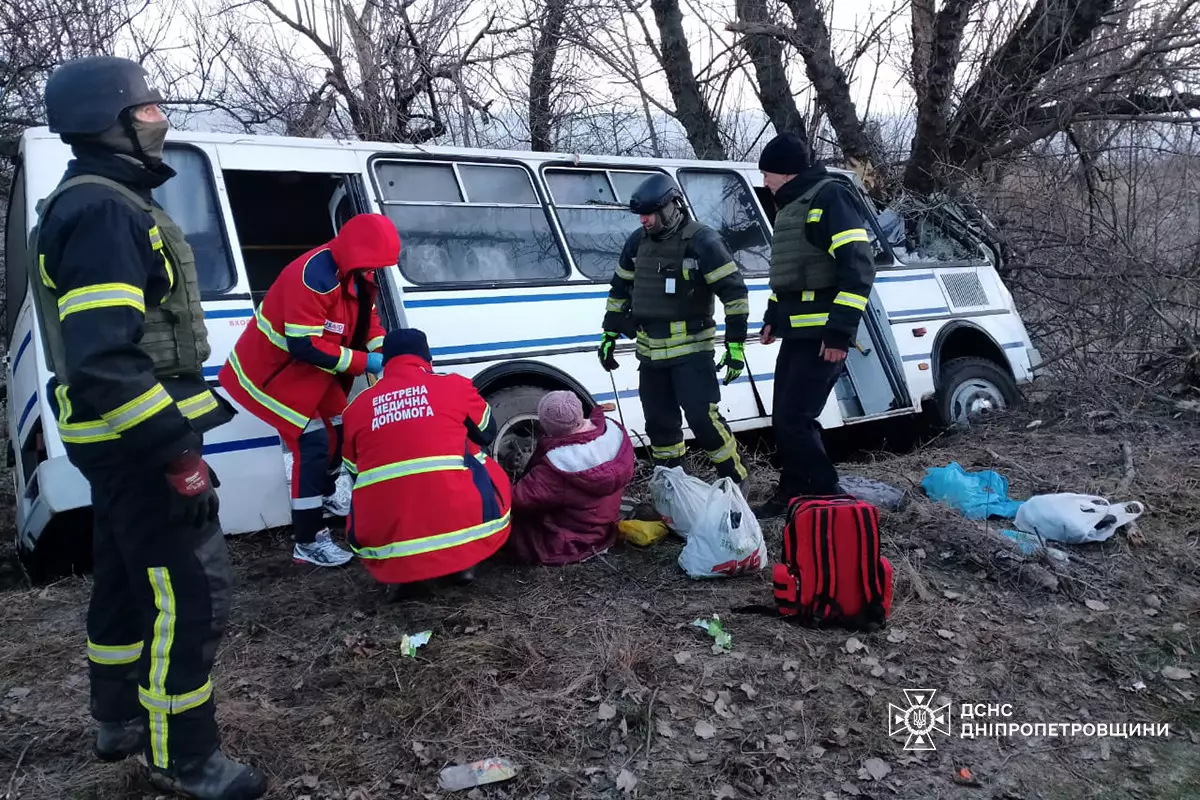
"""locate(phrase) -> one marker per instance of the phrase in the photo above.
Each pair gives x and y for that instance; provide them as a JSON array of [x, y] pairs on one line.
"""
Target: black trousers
[[688, 383], [160, 601], [803, 381]]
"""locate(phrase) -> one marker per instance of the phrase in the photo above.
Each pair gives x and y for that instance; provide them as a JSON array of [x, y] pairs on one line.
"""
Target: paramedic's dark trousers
[[316, 461], [803, 381], [688, 383], [160, 600]]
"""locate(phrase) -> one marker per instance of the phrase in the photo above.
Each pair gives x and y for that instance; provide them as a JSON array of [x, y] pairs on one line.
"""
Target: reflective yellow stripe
[[198, 404], [350, 466], [814, 214], [111, 654], [402, 469], [45, 275], [375, 343], [160, 658], [99, 430], [156, 243], [668, 451], [807, 296], [721, 272], [441, 541], [737, 307], [676, 330], [624, 274], [177, 703], [344, 359], [138, 410], [292, 329], [616, 304], [850, 299], [677, 344], [487, 417], [101, 295], [808, 320], [268, 331], [846, 237], [268, 402], [729, 448]]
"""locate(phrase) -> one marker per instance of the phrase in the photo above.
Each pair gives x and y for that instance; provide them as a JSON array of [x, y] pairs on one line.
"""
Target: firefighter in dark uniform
[[822, 269], [118, 306], [662, 296]]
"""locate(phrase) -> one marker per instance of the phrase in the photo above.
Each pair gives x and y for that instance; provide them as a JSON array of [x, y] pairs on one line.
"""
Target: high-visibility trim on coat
[[427, 501], [310, 333]]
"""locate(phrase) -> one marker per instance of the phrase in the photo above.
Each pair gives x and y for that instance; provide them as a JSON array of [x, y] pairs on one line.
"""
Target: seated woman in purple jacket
[[567, 505]]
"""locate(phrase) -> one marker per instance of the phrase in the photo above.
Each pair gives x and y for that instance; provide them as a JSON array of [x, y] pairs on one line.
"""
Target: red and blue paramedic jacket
[[314, 328], [427, 502]]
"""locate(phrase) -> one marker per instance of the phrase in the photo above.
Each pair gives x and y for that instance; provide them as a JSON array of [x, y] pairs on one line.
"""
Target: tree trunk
[[691, 109], [541, 76], [766, 53]]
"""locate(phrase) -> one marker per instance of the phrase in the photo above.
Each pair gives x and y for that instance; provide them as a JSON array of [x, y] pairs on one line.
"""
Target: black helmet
[[653, 194], [87, 95]]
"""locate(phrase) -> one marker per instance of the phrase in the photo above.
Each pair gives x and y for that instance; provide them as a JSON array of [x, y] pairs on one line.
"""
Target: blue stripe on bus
[[29, 404], [927, 356], [925, 276], [910, 313], [240, 444], [228, 313], [21, 350]]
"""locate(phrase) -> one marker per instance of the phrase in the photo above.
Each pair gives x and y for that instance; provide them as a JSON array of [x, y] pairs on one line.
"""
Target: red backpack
[[832, 573]]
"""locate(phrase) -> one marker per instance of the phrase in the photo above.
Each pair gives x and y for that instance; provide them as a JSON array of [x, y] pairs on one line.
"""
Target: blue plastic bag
[[975, 495]]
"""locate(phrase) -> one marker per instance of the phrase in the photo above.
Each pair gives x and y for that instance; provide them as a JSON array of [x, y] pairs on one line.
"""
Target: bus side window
[[722, 200], [592, 206], [468, 223], [191, 200]]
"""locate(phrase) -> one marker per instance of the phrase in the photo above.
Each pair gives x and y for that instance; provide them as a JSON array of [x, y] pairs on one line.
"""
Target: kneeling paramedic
[[822, 268], [427, 502], [118, 306], [316, 329], [662, 294]]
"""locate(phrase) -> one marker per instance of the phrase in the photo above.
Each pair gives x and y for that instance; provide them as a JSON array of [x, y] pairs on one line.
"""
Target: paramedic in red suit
[[316, 330], [427, 503]]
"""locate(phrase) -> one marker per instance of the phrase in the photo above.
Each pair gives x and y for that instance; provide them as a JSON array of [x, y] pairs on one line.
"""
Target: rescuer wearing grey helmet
[[662, 296], [114, 283]]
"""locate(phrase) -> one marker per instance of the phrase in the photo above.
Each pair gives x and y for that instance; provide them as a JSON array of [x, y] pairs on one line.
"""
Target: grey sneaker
[[338, 503], [217, 777], [323, 552], [116, 741]]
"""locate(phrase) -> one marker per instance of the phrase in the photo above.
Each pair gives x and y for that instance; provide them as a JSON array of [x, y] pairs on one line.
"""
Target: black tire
[[991, 384], [514, 403]]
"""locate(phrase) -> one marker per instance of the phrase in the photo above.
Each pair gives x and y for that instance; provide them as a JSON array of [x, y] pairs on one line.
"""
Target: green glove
[[608, 346], [734, 361]]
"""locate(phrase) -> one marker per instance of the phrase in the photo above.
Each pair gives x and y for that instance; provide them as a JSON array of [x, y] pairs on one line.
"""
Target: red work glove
[[194, 502]]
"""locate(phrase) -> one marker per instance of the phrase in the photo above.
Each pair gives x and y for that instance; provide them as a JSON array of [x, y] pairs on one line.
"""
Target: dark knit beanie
[[406, 342], [786, 154]]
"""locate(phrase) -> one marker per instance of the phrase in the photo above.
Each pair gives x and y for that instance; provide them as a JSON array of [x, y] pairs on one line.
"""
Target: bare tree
[[541, 73]]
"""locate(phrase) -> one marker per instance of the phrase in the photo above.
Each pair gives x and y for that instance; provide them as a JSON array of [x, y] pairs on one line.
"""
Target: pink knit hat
[[561, 414]]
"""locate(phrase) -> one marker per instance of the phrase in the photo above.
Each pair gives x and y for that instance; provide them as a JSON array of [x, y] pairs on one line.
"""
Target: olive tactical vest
[[173, 332], [660, 266], [796, 263]]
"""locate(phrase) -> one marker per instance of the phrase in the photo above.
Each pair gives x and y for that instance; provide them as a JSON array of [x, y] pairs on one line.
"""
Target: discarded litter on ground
[[642, 533], [478, 773], [409, 644], [723, 639], [1075, 518], [976, 495], [877, 493]]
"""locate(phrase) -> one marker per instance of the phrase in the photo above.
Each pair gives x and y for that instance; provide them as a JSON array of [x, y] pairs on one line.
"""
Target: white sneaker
[[323, 552], [338, 503]]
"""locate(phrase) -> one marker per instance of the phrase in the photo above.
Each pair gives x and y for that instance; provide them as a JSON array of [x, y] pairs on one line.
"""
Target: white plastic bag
[[678, 497], [1074, 518], [726, 539]]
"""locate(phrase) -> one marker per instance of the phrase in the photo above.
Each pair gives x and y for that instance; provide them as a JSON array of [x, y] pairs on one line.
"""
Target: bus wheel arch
[[513, 390], [972, 376]]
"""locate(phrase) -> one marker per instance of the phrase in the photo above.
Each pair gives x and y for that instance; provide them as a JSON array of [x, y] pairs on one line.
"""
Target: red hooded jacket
[[427, 502], [567, 505], [312, 332]]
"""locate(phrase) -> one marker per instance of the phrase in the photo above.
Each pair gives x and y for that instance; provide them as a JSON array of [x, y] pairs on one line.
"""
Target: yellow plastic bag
[[642, 533]]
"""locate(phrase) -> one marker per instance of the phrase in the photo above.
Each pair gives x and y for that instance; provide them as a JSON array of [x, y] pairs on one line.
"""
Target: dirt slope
[[591, 679]]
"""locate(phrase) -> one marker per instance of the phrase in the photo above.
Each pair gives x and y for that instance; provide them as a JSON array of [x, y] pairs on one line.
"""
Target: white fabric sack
[[726, 539], [1074, 518], [678, 497]]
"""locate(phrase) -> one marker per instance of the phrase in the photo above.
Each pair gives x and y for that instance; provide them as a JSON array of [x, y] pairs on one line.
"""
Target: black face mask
[[142, 141]]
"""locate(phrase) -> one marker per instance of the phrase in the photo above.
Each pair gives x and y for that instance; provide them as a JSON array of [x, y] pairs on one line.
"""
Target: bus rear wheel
[[515, 411]]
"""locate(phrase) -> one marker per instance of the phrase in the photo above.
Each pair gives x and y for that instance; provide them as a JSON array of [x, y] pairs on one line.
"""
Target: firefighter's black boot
[[217, 777], [116, 741]]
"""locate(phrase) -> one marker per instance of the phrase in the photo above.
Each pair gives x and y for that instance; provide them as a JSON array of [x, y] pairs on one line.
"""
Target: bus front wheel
[[515, 411], [970, 388]]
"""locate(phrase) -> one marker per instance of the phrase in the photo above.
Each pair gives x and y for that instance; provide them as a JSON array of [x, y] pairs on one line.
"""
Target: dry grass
[[312, 686]]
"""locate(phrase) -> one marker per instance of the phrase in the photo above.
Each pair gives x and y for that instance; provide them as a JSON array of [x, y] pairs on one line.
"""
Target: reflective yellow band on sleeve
[[814, 214], [772, 298], [292, 329], [138, 410], [721, 272], [487, 417], [808, 320], [344, 360], [101, 295], [616, 304], [111, 655], [49, 284], [855, 301], [735, 307], [848, 236], [624, 274], [375, 344]]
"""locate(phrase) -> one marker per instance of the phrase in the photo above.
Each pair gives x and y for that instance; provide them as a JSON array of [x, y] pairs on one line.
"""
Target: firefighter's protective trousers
[[159, 605], [688, 383]]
